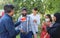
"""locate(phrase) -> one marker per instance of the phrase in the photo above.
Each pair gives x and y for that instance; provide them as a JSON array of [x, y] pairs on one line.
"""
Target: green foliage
[[44, 6], [29, 4], [52, 6]]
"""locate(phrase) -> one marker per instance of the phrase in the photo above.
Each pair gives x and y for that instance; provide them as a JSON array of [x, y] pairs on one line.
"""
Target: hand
[[46, 35], [43, 23], [35, 21], [23, 19], [21, 30], [35, 35], [49, 24]]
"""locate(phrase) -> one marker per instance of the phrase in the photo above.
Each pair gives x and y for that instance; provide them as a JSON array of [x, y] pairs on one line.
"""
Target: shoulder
[[5, 18], [31, 15], [28, 16], [56, 24], [20, 17]]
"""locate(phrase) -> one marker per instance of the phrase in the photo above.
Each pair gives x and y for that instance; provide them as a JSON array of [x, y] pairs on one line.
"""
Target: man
[[35, 18], [54, 30], [7, 27], [25, 27]]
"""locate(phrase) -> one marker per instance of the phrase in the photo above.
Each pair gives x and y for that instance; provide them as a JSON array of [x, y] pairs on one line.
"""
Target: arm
[[32, 26], [33, 30], [45, 35], [9, 25], [38, 20], [17, 23], [19, 19], [51, 30]]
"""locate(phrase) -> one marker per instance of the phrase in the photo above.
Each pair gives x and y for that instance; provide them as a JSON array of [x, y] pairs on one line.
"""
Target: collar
[[8, 16], [34, 15]]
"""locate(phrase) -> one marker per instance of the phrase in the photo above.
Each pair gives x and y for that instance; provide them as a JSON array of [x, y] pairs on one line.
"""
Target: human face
[[35, 12], [12, 12], [47, 19], [54, 18], [24, 12]]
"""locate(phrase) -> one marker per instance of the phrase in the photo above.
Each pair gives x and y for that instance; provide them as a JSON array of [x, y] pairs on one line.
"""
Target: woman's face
[[54, 18], [47, 19]]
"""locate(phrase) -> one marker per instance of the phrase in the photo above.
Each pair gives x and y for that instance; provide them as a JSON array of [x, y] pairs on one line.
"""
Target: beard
[[24, 14]]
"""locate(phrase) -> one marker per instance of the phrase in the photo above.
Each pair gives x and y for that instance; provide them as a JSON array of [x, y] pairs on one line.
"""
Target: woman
[[48, 22], [54, 31]]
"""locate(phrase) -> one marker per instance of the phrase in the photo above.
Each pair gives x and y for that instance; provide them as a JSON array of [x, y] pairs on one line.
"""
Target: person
[[48, 21], [35, 18], [54, 31], [1, 14], [25, 27], [7, 27]]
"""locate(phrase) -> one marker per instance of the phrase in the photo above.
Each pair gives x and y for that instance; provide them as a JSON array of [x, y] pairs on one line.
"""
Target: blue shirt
[[27, 26], [7, 27]]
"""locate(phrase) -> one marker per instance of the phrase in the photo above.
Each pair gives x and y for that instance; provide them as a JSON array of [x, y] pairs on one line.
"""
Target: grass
[[19, 36]]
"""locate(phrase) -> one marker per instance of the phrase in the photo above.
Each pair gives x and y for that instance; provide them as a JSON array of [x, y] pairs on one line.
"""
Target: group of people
[[51, 26], [27, 25]]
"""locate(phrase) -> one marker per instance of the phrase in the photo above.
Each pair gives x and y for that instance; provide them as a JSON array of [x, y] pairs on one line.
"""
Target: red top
[[44, 32]]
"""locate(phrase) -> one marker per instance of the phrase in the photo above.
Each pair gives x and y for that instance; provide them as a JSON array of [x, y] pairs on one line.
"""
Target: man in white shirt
[[35, 21]]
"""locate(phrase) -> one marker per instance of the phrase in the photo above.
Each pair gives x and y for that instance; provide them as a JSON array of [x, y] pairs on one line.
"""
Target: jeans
[[28, 35]]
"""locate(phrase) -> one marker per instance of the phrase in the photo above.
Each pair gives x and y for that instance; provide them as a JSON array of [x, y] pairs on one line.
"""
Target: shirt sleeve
[[32, 27], [20, 26], [17, 23], [38, 20]]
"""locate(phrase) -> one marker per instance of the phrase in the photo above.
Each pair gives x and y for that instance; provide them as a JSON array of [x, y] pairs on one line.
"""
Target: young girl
[[48, 22]]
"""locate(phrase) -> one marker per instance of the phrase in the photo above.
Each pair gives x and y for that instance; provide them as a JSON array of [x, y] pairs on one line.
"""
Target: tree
[[52, 6], [44, 6], [29, 4]]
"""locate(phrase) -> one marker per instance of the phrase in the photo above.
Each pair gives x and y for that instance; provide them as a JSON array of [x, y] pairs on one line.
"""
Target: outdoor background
[[44, 7]]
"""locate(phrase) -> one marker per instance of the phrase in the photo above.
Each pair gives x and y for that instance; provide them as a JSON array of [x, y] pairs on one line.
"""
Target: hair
[[49, 16], [35, 9], [57, 15], [24, 9], [8, 8]]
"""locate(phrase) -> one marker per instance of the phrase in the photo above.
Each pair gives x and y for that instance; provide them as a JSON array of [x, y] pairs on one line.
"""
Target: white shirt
[[35, 25]]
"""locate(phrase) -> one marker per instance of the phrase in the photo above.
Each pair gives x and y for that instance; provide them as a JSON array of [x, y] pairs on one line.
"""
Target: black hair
[[49, 16], [57, 15], [24, 8], [35, 8], [8, 8]]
